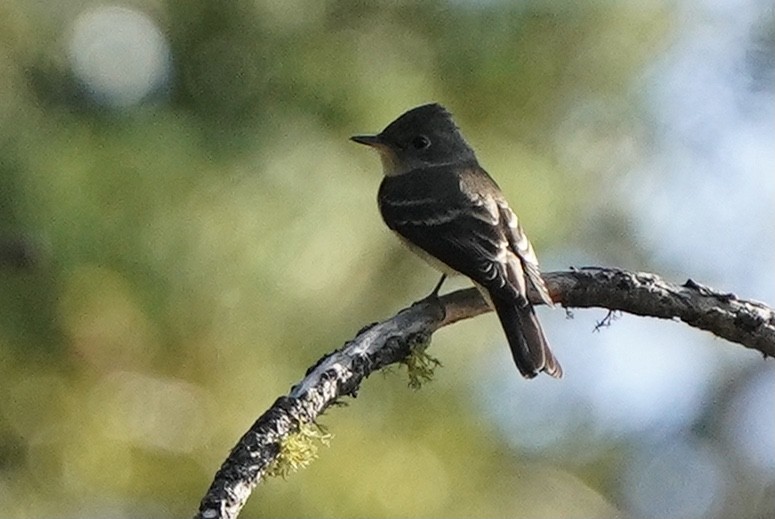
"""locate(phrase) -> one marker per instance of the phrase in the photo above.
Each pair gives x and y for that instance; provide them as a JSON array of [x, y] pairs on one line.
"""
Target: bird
[[447, 209]]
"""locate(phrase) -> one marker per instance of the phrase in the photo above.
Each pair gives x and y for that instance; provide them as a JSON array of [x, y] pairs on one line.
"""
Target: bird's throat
[[391, 166]]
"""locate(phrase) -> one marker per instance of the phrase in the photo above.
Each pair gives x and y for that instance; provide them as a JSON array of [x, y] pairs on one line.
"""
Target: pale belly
[[432, 261]]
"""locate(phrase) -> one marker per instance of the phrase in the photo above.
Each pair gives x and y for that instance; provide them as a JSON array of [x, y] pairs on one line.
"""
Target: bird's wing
[[462, 228], [521, 246]]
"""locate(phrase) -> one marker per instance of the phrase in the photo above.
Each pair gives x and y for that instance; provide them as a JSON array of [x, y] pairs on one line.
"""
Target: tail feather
[[527, 341]]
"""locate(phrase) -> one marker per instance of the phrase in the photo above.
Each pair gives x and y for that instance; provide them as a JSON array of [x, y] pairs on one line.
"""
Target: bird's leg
[[433, 297], [435, 293]]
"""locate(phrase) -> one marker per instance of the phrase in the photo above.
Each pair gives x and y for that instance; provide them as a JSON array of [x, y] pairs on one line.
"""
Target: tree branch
[[341, 372]]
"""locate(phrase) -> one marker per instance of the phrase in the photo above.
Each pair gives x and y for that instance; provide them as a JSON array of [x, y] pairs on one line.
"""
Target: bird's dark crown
[[429, 118], [428, 132]]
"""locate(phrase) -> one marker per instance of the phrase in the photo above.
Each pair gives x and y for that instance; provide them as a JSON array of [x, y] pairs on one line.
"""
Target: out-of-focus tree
[[202, 231]]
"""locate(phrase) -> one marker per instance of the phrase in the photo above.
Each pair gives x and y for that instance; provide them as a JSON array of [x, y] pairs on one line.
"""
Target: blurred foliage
[[186, 258]]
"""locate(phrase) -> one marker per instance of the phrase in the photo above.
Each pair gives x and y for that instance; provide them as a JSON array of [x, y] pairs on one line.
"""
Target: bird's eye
[[421, 142]]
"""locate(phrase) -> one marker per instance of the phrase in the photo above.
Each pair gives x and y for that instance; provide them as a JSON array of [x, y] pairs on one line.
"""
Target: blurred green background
[[185, 228]]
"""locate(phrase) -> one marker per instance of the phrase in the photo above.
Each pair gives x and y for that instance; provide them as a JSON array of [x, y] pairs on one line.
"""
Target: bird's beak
[[390, 162], [369, 140]]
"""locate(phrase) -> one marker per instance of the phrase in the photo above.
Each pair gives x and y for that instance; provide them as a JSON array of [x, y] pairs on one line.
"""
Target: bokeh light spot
[[119, 54], [677, 480], [751, 422], [152, 412]]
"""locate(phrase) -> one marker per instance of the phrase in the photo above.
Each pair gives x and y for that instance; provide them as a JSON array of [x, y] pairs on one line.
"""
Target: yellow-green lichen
[[298, 450], [419, 365]]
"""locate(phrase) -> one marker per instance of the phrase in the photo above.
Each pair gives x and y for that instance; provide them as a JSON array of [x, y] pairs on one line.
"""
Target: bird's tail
[[528, 344]]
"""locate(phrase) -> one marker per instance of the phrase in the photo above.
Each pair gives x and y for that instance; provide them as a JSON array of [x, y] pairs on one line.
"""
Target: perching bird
[[447, 209]]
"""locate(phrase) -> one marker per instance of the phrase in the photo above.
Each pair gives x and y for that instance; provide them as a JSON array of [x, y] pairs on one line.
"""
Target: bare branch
[[341, 372], [749, 323]]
